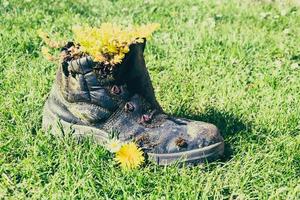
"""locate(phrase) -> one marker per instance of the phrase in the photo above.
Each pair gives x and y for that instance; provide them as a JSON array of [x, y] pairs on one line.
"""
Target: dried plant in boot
[[71, 51], [49, 50]]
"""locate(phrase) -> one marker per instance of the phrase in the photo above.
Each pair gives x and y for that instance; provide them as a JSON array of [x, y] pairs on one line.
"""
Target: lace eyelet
[[116, 90], [145, 118], [129, 107]]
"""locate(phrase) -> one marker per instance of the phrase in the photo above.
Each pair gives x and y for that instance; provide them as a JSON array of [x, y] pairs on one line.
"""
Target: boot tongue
[[112, 74], [132, 72]]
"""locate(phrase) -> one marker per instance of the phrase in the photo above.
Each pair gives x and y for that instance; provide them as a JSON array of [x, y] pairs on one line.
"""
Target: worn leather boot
[[94, 99]]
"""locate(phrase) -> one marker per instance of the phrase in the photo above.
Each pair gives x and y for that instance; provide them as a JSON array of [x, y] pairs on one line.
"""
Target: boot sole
[[56, 125], [196, 156]]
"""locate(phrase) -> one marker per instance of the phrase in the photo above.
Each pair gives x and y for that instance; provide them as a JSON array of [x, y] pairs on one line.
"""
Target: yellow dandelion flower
[[118, 58], [110, 40], [129, 156], [99, 57], [114, 145]]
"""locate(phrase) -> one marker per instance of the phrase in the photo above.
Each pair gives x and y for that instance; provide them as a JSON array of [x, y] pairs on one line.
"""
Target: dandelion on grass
[[113, 145], [130, 156]]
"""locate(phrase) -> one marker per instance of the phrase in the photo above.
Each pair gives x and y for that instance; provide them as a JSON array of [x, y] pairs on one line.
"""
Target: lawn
[[233, 63]]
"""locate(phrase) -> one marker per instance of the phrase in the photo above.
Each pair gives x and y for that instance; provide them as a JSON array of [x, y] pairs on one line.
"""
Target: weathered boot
[[94, 99]]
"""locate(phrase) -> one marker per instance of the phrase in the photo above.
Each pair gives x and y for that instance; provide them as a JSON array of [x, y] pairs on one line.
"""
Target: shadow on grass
[[228, 124]]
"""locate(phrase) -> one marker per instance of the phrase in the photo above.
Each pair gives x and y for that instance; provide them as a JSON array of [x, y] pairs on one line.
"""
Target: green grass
[[233, 63]]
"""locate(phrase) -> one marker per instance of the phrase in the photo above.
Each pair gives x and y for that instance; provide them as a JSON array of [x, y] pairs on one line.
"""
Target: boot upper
[[122, 100]]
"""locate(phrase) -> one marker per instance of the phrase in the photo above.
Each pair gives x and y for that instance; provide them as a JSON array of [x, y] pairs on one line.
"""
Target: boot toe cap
[[195, 135], [203, 134], [195, 142]]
